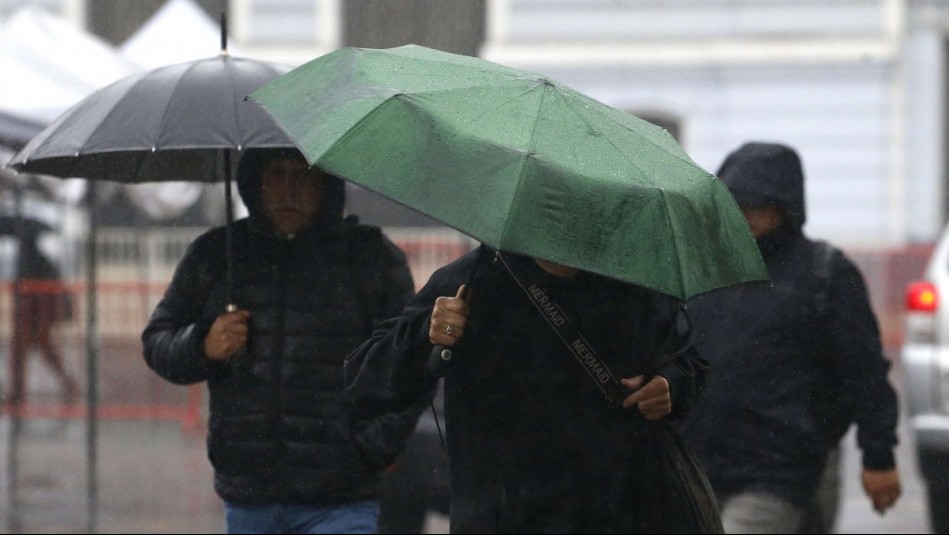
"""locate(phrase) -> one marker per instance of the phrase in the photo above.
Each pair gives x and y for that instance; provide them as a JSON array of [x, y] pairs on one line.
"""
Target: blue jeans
[[357, 517]]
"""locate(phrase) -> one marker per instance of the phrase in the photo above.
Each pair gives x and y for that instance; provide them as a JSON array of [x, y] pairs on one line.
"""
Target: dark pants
[[821, 516]]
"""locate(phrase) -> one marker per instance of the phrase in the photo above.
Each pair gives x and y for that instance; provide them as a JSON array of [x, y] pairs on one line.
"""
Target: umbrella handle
[[240, 361], [438, 361]]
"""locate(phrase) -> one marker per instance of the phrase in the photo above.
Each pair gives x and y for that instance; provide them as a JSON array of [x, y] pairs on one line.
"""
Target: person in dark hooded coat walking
[[533, 446], [793, 364], [290, 454]]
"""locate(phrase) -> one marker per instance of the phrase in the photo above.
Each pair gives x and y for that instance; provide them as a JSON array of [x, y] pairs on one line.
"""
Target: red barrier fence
[[127, 388]]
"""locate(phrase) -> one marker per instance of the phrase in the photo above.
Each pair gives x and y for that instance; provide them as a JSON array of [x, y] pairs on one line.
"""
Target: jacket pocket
[[381, 439], [230, 457]]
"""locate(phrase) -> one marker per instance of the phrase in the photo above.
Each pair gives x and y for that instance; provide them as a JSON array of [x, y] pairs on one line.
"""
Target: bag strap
[[614, 392], [578, 346]]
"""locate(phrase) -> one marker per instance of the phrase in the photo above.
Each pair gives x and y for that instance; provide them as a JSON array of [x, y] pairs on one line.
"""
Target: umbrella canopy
[[518, 162], [168, 124], [15, 131]]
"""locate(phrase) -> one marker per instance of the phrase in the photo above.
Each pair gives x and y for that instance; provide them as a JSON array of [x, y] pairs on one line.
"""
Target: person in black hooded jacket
[[290, 453], [793, 364], [533, 446]]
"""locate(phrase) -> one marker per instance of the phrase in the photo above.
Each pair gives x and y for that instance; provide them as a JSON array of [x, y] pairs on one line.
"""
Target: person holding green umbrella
[[533, 447]]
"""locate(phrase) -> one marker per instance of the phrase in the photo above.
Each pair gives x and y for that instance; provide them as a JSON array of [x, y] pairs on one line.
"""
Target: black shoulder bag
[[680, 499]]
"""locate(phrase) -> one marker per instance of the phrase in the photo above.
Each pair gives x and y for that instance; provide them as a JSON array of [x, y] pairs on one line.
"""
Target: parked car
[[925, 359]]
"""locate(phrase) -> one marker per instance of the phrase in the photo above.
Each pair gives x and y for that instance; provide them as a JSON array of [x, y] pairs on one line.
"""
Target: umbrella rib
[[236, 101], [499, 69], [496, 106], [608, 139], [528, 154], [171, 97], [141, 161], [132, 81], [675, 241], [596, 109]]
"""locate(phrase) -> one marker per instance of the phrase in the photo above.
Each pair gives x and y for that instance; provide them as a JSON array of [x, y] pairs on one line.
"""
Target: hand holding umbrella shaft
[[227, 335], [449, 318]]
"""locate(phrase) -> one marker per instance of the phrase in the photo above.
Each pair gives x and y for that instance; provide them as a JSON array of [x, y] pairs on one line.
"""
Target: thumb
[[460, 294], [633, 383]]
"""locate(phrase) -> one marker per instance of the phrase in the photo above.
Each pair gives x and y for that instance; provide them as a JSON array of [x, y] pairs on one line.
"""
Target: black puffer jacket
[[281, 429], [793, 363], [533, 445]]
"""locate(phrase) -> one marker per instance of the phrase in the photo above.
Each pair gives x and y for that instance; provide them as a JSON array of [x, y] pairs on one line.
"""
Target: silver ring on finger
[[449, 329]]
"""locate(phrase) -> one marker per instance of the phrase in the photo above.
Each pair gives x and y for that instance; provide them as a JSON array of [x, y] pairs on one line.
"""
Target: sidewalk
[[152, 478]]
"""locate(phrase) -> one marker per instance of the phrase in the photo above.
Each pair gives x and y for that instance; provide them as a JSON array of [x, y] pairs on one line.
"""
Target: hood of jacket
[[757, 174], [248, 184]]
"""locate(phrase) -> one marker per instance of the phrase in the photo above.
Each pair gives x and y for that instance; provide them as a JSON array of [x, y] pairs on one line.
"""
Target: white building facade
[[858, 87]]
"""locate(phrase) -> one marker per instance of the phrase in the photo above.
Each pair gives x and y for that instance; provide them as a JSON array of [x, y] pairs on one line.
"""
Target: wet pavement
[[154, 477]]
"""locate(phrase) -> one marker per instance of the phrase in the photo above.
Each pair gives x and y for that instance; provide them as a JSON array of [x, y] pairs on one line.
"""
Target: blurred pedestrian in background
[[290, 455], [793, 364], [41, 303]]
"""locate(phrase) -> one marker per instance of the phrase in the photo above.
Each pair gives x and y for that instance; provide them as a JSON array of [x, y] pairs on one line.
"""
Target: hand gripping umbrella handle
[[441, 356], [240, 361]]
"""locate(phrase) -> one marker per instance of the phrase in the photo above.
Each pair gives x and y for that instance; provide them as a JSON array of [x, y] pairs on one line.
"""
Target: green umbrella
[[518, 162]]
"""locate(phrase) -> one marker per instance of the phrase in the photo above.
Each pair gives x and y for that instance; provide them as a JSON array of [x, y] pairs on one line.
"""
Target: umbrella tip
[[223, 33]]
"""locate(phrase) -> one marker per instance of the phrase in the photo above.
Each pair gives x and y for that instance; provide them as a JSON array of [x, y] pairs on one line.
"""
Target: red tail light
[[922, 297]]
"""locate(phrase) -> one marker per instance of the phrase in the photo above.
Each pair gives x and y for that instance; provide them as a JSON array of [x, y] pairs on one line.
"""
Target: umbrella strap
[[567, 331]]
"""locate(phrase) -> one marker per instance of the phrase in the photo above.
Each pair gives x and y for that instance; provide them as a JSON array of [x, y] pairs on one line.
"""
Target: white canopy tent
[[72, 55], [51, 65], [180, 31]]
